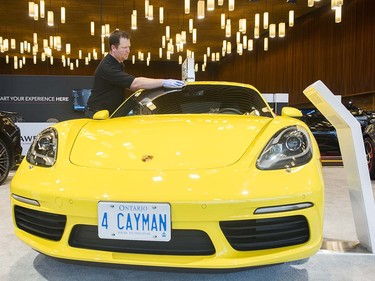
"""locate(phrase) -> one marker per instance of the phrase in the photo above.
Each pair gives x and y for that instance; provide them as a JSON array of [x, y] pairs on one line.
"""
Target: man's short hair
[[114, 38]]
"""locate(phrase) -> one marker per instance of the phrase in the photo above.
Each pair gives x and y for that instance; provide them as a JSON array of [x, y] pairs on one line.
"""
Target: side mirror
[[291, 112], [101, 115]]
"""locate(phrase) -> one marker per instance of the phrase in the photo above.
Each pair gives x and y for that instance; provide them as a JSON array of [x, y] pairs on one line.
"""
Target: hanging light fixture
[[310, 3], [291, 18], [239, 49], [42, 8], [265, 47], [147, 2], [272, 30], [257, 20], [187, 6], [228, 29], [160, 52], [35, 38], [6, 45], [183, 37], [92, 28], [229, 47], [256, 32], [210, 5], [242, 25], [194, 35], [161, 14], [62, 14], [67, 48], [13, 43], [222, 21], [265, 20], [208, 52], [134, 20], [150, 12], [220, 2], [200, 8], [231, 5], [191, 25], [15, 64], [338, 14], [50, 18], [163, 41], [36, 11], [167, 32], [281, 29], [244, 41], [250, 44], [238, 37], [31, 9]]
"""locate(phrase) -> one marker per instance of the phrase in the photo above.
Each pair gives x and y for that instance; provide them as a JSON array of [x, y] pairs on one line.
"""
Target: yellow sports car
[[204, 176]]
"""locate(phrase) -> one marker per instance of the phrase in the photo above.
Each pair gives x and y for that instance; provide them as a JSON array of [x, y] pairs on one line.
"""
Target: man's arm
[[145, 83], [151, 83]]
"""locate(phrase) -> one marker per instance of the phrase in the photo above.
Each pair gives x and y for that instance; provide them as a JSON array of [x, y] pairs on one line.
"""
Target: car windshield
[[196, 99]]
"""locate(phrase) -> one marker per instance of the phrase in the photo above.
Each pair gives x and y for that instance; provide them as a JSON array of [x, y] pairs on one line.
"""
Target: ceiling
[[15, 23]]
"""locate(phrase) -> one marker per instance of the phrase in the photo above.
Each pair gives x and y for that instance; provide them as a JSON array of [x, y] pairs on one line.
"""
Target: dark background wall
[[41, 98], [316, 48]]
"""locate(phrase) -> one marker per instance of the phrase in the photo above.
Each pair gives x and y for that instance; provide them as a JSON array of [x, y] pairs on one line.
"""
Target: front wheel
[[369, 150], [4, 161]]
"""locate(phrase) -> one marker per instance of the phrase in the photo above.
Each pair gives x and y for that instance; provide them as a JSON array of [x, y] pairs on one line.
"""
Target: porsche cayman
[[205, 176]]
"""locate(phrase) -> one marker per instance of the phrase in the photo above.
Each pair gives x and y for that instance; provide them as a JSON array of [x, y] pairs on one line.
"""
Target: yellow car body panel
[[204, 184]]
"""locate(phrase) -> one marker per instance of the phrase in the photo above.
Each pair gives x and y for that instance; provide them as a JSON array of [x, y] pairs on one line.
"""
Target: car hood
[[165, 142]]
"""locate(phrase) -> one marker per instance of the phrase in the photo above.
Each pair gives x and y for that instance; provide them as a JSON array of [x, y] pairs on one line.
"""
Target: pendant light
[[265, 47], [194, 35], [161, 15], [282, 29], [230, 5], [187, 6], [200, 8], [134, 20], [62, 14], [265, 20], [92, 28], [210, 5], [272, 30], [50, 18], [338, 14], [42, 7], [291, 18]]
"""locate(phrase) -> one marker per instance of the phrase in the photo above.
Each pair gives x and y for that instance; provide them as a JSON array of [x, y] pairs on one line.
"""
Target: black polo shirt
[[110, 82]]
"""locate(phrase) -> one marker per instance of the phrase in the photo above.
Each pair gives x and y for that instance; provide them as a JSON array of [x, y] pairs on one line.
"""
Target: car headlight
[[290, 147], [43, 150]]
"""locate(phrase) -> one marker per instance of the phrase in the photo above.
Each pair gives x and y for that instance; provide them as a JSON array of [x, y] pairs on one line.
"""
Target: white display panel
[[353, 154]]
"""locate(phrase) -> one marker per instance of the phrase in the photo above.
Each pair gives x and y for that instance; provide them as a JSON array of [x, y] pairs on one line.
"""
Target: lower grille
[[183, 242], [260, 234], [42, 224]]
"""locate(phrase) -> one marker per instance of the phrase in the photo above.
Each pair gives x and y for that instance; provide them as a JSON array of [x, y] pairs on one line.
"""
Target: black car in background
[[326, 136], [10, 145]]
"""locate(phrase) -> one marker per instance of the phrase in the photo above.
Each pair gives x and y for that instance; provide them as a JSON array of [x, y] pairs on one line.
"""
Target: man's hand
[[172, 83]]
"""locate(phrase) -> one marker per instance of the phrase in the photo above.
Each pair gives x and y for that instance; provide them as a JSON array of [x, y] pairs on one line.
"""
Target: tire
[[4, 161], [369, 150]]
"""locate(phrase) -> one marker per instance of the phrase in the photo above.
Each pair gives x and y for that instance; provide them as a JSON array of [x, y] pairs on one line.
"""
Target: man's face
[[121, 53]]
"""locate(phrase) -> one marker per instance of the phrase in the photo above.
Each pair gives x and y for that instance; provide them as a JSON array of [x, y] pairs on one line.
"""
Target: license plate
[[134, 221]]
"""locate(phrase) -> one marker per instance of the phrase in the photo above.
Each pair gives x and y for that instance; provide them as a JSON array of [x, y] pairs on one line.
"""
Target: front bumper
[[204, 231]]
